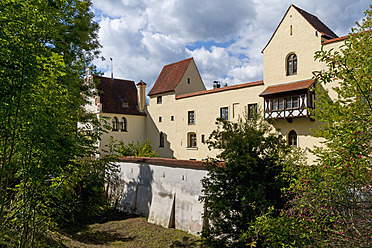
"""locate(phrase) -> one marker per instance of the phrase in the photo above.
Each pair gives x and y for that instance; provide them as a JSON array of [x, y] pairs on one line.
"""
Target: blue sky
[[225, 38]]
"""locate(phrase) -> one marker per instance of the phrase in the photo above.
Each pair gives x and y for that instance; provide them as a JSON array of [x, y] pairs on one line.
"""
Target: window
[[159, 100], [292, 138], [252, 110], [115, 124], [278, 103], [224, 113], [188, 80], [281, 103], [160, 119], [203, 138], [172, 118], [191, 117], [292, 102], [275, 104], [192, 140], [235, 110], [292, 65], [123, 125], [161, 139]]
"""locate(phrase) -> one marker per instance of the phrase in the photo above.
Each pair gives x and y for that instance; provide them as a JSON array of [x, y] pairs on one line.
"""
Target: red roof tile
[[287, 87], [169, 162], [113, 92], [170, 76], [232, 87], [335, 40]]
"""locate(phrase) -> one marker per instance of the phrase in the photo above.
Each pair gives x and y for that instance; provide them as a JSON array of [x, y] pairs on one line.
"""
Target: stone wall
[[164, 190]]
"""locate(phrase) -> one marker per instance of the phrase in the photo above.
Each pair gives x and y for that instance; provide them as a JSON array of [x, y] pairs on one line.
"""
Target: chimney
[[216, 85], [141, 95]]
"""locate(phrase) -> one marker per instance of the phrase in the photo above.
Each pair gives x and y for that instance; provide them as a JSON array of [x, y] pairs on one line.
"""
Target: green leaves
[[246, 185], [41, 103]]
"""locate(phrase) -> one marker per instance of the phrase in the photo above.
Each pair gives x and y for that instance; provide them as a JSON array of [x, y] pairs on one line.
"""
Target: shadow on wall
[[131, 190], [154, 134]]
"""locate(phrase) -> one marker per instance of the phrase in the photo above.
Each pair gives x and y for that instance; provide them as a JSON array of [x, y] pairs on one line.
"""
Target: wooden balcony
[[288, 101]]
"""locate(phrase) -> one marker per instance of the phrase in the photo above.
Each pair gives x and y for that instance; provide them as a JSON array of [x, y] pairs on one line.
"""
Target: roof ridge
[[231, 87], [181, 61], [325, 30], [170, 76]]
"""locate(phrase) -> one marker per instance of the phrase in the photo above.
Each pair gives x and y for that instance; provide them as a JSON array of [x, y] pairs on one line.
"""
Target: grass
[[117, 229]]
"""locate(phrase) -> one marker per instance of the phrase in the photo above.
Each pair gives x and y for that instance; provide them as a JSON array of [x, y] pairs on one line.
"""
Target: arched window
[[191, 138], [115, 124], [123, 125], [161, 139], [292, 64], [292, 138]]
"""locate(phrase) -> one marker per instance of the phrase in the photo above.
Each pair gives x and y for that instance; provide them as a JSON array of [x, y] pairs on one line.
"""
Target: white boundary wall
[[166, 191]]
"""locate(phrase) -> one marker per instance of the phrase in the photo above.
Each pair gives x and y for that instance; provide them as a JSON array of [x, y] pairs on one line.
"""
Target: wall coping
[[196, 164]]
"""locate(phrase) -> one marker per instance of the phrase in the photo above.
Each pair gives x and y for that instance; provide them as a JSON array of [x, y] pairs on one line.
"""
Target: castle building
[[181, 113]]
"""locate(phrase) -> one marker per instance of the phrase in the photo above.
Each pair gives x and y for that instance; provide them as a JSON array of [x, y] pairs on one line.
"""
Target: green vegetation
[[46, 174], [246, 185], [134, 149], [331, 201]]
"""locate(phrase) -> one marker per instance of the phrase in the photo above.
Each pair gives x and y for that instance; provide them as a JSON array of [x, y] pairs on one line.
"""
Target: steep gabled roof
[[170, 76], [312, 20], [114, 92], [316, 23], [288, 87]]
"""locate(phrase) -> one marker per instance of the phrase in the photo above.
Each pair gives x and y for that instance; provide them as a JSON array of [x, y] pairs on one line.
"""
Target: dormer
[[180, 78], [289, 54]]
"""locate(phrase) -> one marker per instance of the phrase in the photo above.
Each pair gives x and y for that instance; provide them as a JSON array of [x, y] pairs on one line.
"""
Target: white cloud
[[144, 35]]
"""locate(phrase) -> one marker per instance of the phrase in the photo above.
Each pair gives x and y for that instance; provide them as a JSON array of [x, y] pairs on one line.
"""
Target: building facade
[[181, 113]]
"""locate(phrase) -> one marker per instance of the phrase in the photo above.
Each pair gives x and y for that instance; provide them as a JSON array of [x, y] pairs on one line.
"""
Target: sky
[[225, 37]]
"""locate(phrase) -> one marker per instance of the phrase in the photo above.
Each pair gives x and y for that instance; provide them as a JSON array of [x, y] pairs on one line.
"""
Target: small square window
[[224, 113], [172, 118], [160, 119], [159, 100]]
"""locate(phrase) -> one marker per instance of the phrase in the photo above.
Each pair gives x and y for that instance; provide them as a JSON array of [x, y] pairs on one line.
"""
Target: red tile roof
[[316, 23], [169, 162], [313, 21], [170, 76], [287, 87], [166, 161], [113, 92], [335, 40], [232, 87]]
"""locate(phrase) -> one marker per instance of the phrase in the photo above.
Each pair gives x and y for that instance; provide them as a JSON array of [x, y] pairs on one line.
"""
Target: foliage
[[134, 149], [45, 47], [333, 198], [246, 184]]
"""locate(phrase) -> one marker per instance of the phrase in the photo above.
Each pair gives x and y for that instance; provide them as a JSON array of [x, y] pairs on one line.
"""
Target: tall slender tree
[[44, 49]]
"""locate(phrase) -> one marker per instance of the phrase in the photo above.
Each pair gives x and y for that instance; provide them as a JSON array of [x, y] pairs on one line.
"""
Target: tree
[[45, 47], [243, 181], [331, 201]]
